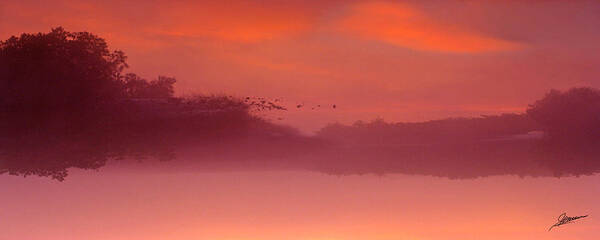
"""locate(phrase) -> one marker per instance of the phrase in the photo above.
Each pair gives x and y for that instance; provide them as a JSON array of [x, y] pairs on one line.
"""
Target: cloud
[[236, 21], [402, 25], [233, 21]]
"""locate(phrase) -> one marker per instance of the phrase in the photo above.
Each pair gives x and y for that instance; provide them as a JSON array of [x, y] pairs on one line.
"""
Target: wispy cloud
[[405, 26], [235, 21]]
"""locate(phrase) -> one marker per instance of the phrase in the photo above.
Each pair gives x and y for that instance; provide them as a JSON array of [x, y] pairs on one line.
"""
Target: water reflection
[[253, 143], [558, 136]]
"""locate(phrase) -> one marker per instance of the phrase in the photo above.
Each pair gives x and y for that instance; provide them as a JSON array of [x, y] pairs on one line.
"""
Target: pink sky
[[403, 61], [407, 61]]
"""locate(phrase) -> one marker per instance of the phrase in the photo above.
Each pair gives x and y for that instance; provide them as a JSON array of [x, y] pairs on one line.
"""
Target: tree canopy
[[58, 71], [137, 87], [575, 112], [68, 71], [65, 102]]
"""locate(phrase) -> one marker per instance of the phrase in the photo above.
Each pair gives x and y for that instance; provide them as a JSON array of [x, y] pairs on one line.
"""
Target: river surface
[[125, 204]]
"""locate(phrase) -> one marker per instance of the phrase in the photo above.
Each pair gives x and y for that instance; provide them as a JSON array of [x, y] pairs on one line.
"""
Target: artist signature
[[564, 219]]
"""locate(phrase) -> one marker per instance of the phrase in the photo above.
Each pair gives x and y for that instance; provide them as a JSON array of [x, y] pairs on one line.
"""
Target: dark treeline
[[572, 114], [67, 102], [436, 131], [559, 135]]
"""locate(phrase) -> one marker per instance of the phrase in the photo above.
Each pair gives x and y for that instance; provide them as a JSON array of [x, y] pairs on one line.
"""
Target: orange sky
[[404, 61], [400, 60]]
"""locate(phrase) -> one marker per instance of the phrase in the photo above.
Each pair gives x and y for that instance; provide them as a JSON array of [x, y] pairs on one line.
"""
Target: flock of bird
[[275, 104], [315, 107], [261, 104]]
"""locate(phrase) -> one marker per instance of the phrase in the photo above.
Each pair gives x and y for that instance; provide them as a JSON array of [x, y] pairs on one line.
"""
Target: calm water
[[115, 203]]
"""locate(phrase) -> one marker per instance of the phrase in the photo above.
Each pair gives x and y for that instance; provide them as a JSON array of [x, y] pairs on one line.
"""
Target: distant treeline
[[558, 135], [572, 114], [429, 132]]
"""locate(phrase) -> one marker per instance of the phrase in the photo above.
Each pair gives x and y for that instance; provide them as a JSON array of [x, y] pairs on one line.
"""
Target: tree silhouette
[[58, 71], [62, 105], [570, 114], [137, 87], [65, 102]]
